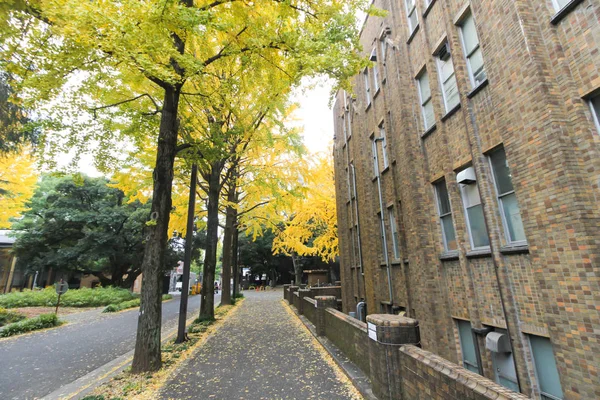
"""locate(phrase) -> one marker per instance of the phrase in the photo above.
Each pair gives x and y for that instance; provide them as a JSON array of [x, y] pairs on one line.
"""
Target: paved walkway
[[261, 352]]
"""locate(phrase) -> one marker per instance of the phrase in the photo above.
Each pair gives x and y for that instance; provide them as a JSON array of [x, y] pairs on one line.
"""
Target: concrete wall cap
[[391, 320]]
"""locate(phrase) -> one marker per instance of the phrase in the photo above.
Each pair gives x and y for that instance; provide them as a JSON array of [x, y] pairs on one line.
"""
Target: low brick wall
[[350, 336], [426, 376], [296, 300], [309, 310], [326, 291]]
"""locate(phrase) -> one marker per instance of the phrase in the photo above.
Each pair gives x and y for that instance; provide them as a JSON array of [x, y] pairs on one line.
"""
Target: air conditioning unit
[[498, 342], [466, 176]]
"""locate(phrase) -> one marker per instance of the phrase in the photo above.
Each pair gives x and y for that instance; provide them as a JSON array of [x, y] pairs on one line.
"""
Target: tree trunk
[[297, 269], [147, 355], [234, 261], [207, 299], [227, 244]]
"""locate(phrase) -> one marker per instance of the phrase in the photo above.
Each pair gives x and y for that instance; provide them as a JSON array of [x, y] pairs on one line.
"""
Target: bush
[[8, 317], [129, 304], [239, 296], [33, 324], [83, 297]]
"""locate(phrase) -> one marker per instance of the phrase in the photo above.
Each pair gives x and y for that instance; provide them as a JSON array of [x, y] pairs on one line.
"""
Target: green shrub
[[31, 324], [83, 297], [122, 306], [239, 296], [8, 317], [166, 297]]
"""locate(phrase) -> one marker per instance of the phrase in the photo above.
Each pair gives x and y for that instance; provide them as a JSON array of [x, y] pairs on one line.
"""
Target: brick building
[[467, 166]]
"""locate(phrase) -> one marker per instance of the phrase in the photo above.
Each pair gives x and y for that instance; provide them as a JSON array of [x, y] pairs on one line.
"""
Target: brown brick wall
[[350, 336], [534, 106]]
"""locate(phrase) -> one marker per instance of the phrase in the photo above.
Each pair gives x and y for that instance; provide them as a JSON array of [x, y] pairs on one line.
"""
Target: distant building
[[7, 262], [467, 168]]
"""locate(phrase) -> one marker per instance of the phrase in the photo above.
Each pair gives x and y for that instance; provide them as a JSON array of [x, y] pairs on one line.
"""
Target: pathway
[[262, 351]]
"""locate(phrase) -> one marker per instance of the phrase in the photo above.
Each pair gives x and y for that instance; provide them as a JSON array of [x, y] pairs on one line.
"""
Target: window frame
[[543, 394], [467, 15], [422, 102], [465, 362], [508, 238], [384, 145], [367, 83], [440, 216], [409, 12], [558, 7], [375, 68], [395, 233], [468, 220], [595, 115], [438, 61]]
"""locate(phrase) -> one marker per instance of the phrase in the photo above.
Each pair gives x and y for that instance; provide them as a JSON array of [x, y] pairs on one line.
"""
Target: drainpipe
[[360, 311], [382, 221]]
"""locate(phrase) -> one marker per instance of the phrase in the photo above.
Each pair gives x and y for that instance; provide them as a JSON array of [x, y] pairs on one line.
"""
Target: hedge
[[129, 304], [32, 324], [83, 297]]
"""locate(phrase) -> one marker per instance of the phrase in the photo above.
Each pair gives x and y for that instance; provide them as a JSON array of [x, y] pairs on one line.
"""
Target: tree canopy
[[18, 176], [79, 223]]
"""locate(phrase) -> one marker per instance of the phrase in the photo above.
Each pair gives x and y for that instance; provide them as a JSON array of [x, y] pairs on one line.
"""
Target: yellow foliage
[[18, 176], [311, 225]]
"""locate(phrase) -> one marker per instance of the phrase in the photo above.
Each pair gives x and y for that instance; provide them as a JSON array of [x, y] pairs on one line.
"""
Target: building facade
[[467, 165]]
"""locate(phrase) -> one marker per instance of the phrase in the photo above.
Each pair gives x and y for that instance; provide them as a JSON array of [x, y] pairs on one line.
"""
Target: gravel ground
[[261, 352]]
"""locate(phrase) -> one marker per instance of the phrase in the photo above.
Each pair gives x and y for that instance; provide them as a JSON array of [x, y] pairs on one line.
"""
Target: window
[[367, 87], [344, 129], [445, 213], [383, 145], [594, 103], [348, 182], [560, 4], [411, 12], [474, 213], [383, 241], [395, 236], [425, 98], [473, 53], [447, 78], [511, 215], [467, 346], [545, 368], [375, 71]]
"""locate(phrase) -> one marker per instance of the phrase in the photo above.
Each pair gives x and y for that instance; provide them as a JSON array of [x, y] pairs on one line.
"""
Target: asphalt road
[[37, 364]]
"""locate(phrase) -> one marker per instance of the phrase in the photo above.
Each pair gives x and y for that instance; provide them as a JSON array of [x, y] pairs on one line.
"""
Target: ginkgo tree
[[141, 57], [18, 177], [310, 224]]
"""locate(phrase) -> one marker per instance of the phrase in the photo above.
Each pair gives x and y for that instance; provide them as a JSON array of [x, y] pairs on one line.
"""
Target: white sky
[[313, 115]]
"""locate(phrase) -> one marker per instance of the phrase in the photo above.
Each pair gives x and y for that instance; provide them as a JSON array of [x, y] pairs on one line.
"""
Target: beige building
[[467, 168]]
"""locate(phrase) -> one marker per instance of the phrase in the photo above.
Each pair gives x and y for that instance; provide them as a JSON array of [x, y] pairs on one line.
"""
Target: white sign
[[372, 329]]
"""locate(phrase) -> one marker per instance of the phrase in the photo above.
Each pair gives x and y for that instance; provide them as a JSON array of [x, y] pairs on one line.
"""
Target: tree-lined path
[[37, 364], [260, 352]]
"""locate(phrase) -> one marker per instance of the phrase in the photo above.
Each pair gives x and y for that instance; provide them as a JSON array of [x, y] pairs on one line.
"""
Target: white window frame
[[468, 221], [557, 6], [543, 394], [438, 62], [409, 13], [367, 86], [382, 134], [382, 236], [595, 115], [395, 233], [375, 68], [468, 55], [440, 215], [424, 102], [499, 197]]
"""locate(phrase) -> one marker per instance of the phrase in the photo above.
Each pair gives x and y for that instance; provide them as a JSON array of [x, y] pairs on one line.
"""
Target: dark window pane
[[443, 201], [477, 224]]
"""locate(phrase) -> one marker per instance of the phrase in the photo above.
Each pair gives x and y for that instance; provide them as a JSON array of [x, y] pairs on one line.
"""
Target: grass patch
[[83, 297], [129, 304], [9, 317], [31, 324], [146, 386]]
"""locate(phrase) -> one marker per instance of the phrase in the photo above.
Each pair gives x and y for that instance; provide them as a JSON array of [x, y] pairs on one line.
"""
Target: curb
[[358, 378]]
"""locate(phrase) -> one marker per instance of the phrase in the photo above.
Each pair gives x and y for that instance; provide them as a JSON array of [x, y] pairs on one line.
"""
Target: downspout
[[382, 221]]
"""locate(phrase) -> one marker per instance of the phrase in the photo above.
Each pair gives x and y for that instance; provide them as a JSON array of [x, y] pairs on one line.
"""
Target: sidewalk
[[261, 352]]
